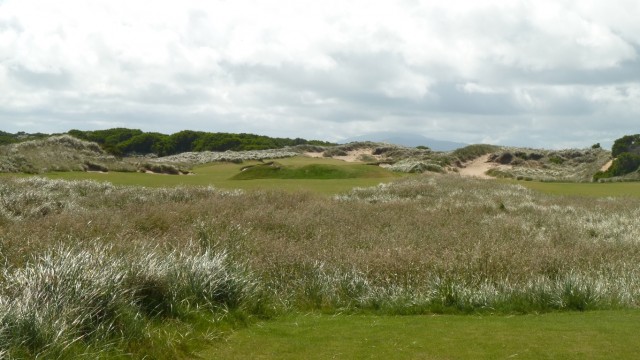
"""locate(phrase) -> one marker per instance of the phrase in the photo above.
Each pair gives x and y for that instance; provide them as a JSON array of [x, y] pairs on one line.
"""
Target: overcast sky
[[551, 74]]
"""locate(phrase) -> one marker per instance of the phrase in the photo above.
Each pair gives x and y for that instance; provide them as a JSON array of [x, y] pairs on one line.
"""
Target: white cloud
[[328, 69]]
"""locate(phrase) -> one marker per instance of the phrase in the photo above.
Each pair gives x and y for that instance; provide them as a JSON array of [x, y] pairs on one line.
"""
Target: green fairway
[[589, 335], [276, 170], [624, 189], [334, 176]]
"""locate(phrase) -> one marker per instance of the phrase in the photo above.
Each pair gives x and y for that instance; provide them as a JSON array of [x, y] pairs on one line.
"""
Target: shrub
[[334, 151], [624, 164], [504, 158], [471, 152], [556, 160], [92, 166], [628, 143]]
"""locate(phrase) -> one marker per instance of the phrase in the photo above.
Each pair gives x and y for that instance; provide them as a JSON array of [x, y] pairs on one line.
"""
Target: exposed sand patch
[[314, 154], [606, 166], [478, 168]]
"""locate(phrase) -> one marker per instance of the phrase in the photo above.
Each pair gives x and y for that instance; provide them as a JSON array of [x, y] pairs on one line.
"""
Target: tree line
[[123, 141], [9, 138]]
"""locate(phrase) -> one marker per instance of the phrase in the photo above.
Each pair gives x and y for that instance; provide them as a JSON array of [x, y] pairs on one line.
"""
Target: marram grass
[[105, 264], [70, 302]]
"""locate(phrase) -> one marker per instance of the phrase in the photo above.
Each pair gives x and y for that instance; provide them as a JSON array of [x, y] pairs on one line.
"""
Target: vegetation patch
[[626, 162], [112, 270], [274, 170], [122, 141], [571, 165]]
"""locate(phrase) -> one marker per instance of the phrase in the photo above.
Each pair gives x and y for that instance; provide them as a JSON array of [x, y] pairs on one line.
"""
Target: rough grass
[[423, 245], [572, 165]]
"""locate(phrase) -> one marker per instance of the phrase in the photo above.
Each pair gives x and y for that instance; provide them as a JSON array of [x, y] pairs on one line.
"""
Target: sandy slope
[[606, 166], [478, 168]]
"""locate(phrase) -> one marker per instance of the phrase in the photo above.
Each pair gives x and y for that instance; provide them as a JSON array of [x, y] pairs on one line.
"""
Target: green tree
[[183, 141], [145, 143], [628, 143], [624, 164]]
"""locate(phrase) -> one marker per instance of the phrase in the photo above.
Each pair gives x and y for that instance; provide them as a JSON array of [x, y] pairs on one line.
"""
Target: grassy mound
[[274, 170]]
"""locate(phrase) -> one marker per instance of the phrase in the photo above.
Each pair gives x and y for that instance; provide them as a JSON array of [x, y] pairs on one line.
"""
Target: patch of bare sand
[[314, 154], [478, 167], [606, 166]]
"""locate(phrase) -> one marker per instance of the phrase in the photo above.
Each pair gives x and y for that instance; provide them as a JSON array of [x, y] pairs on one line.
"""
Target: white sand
[[478, 168], [606, 166]]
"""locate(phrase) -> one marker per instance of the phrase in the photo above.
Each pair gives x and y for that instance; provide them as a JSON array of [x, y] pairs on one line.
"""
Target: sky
[[544, 74]]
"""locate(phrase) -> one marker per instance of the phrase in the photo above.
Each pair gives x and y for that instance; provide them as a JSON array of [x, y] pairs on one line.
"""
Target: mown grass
[[619, 189], [591, 335], [275, 170]]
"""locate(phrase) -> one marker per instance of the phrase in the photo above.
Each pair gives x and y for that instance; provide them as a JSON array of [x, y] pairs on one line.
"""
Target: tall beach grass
[[106, 264]]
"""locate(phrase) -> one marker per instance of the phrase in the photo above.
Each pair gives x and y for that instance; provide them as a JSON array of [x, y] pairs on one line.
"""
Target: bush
[[556, 160], [628, 143], [504, 158], [624, 164], [471, 152], [91, 166], [160, 169]]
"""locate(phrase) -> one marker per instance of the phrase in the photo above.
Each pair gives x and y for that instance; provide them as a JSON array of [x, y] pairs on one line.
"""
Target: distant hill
[[410, 140]]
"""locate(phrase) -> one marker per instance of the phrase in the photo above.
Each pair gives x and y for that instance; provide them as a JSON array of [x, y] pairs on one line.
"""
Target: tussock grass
[[55, 153], [68, 300], [425, 244], [571, 165]]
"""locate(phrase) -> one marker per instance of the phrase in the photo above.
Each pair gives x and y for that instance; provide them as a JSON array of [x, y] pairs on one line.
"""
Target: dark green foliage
[[504, 158], [626, 151], [145, 143], [109, 139], [556, 160], [628, 143], [596, 146], [8, 138], [121, 141], [624, 164]]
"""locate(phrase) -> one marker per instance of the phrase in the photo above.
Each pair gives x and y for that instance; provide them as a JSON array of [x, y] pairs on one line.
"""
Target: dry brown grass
[[491, 240]]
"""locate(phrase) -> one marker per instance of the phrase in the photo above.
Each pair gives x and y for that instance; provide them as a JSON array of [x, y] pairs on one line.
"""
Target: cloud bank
[[537, 73]]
